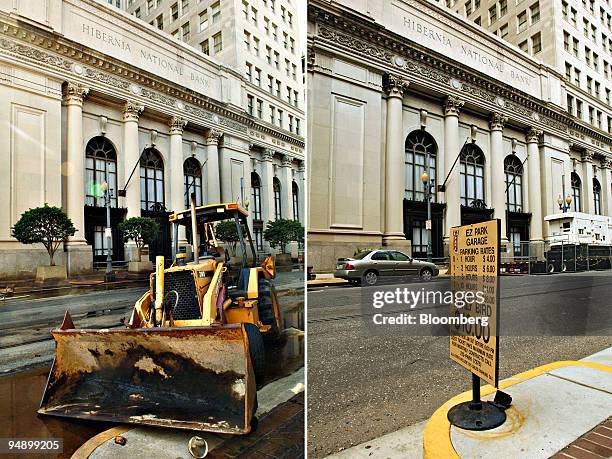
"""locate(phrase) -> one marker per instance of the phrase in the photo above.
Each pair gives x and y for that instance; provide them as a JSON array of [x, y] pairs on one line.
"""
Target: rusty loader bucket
[[198, 378]]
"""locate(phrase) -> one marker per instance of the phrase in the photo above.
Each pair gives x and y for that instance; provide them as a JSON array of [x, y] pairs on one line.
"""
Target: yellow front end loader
[[193, 346]]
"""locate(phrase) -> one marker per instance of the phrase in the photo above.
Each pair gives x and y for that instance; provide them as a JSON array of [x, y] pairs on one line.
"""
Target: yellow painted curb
[[436, 438]]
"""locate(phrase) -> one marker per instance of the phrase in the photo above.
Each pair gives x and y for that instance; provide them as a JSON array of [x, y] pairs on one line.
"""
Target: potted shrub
[[143, 231], [226, 231], [279, 233], [49, 226]]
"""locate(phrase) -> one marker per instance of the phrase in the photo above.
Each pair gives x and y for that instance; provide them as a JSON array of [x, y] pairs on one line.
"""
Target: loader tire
[[257, 351], [266, 310]]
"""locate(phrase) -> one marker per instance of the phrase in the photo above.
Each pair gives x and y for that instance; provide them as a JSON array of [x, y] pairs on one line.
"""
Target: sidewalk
[[561, 409], [285, 282]]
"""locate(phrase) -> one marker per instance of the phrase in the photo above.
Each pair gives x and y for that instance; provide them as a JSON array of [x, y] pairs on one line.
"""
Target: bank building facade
[[394, 83], [91, 94]]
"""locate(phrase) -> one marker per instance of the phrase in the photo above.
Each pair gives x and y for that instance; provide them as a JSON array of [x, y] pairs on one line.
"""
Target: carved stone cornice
[[452, 106], [177, 125], [382, 48], [394, 85], [74, 93], [588, 156], [267, 155], [497, 121], [26, 42], [286, 161], [132, 111], [533, 135], [213, 137]]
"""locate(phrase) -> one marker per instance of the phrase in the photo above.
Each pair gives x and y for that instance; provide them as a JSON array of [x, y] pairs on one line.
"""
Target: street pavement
[[25, 341], [361, 387]]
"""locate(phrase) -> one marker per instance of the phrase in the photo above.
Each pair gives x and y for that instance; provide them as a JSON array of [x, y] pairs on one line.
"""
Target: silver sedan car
[[371, 266]]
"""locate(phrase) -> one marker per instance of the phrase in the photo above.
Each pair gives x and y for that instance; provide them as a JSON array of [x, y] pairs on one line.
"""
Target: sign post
[[475, 260]]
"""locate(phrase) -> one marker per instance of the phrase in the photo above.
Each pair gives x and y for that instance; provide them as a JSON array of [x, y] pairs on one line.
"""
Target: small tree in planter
[[47, 225], [226, 232], [142, 230], [281, 232]]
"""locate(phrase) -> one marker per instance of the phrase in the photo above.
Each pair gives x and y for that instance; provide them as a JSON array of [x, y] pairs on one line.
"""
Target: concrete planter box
[[140, 266], [51, 273]]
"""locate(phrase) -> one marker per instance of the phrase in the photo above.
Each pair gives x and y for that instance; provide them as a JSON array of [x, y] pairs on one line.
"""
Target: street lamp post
[[564, 205], [109, 276], [428, 194]]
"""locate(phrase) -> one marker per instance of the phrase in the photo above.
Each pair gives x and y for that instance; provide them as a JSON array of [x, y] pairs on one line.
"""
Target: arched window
[[295, 193], [192, 172], [472, 175], [100, 166], [277, 198], [576, 196], [417, 145], [597, 196], [256, 196], [514, 183], [151, 180]]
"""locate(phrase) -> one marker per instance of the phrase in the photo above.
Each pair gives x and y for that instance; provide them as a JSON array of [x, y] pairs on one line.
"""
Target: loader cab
[[201, 231]]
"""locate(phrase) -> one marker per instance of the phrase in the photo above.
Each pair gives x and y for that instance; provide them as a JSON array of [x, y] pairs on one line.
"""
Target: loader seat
[[242, 286]]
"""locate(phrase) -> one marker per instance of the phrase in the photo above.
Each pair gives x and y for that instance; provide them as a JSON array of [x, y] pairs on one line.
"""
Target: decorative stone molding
[[386, 48], [497, 121], [286, 161], [395, 86], [67, 56], [302, 167], [606, 163], [177, 125], [533, 135], [132, 111], [267, 155], [75, 93], [102, 122], [588, 156], [213, 137], [153, 137], [452, 106]]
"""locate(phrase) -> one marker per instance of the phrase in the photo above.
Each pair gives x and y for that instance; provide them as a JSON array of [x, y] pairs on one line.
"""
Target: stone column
[[452, 194], [301, 195], [131, 154], [75, 158], [267, 189], [588, 205], [535, 185], [213, 183], [395, 88], [606, 185], [498, 178], [286, 177], [177, 180]]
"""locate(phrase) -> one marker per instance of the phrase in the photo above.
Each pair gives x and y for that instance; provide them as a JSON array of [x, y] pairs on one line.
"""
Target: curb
[[436, 438]]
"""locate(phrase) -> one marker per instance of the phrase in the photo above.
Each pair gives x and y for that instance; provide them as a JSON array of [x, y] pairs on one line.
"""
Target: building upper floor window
[[192, 172], [522, 21], [217, 42], [417, 146], [256, 196], [151, 180], [203, 20], [277, 198], [492, 14], [205, 47], [536, 43], [295, 193], [535, 12], [174, 11], [100, 167], [216, 12], [513, 169], [503, 7], [472, 175], [576, 192], [596, 197]]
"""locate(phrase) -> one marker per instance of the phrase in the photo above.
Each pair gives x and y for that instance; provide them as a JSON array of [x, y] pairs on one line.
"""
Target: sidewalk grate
[[595, 444]]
